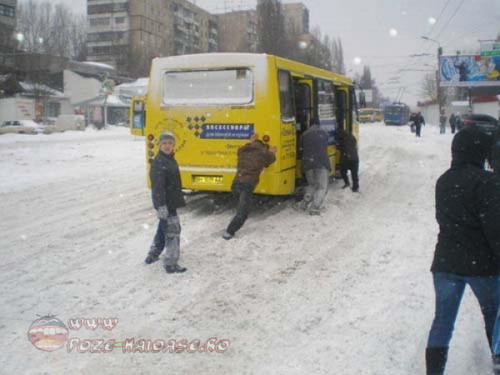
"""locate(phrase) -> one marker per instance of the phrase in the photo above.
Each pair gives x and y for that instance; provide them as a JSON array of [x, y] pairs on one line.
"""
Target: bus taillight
[[151, 137], [266, 138]]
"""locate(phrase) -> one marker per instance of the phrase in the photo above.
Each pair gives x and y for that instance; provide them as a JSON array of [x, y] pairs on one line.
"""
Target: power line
[[449, 20], [440, 14]]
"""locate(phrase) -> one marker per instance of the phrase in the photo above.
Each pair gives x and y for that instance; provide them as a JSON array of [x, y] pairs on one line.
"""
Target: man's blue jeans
[[495, 348], [449, 289]]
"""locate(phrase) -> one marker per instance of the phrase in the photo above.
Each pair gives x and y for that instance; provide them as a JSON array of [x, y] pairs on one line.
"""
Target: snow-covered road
[[346, 293]]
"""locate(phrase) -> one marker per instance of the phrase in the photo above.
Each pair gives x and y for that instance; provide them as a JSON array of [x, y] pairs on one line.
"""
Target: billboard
[[365, 97], [469, 70]]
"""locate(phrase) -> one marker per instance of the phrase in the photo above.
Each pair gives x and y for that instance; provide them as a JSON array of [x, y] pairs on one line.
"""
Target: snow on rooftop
[[33, 87], [101, 65]]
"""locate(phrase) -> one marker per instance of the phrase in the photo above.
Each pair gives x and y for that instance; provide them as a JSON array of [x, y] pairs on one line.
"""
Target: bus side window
[[354, 106], [303, 106], [286, 96], [327, 111], [342, 120]]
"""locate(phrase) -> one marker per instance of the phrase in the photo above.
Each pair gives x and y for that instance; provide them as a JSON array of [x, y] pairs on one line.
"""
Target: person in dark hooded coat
[[468, 247]]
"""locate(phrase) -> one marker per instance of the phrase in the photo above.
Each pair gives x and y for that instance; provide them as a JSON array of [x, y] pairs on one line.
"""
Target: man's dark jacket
[[166, 187], [252, 159], [468, 210], [419, 120], [348, 147], [314, 144]]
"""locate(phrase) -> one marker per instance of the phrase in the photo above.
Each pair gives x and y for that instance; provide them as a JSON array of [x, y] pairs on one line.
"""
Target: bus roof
[[236, 60]]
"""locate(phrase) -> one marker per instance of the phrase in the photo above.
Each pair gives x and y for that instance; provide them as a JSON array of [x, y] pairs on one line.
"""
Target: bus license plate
[[207, 179]]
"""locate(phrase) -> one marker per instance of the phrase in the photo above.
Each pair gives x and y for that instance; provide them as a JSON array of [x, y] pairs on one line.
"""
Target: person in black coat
[[166, 192], [453, 123], [349, 158], [468, 246], [418, 121]]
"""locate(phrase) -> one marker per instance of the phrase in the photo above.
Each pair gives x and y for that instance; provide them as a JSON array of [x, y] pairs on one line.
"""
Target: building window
[[100, 50], [119, 20], [107, 36], [52, 109], [99, 21], [7, 11], [107, 8]]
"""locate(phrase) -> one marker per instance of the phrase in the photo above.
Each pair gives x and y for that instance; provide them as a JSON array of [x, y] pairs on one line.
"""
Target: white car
[[64, 123], [20, 127]]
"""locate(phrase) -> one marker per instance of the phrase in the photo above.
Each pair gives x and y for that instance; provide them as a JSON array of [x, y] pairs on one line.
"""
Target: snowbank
[[348, 292]]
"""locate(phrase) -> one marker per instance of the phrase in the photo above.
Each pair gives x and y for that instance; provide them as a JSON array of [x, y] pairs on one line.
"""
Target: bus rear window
[[209, 87]]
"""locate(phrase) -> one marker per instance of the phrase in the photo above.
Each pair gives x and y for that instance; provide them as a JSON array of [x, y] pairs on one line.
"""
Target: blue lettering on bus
[[226, 131]]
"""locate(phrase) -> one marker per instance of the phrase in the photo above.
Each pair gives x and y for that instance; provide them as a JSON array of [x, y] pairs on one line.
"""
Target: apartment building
[[7, 25], [129, 33], [238, 31], [296, 18]]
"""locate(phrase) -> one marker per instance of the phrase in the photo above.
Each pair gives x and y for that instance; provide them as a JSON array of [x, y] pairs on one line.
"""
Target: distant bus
[[396, 114], [370, 115], [214, 102]]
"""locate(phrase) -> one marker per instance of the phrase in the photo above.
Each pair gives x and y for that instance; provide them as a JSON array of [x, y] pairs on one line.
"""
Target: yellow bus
[[212, 103], [370, 115]]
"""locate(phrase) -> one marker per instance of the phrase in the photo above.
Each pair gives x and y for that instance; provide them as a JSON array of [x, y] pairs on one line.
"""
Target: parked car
[[19, 127], [64, 123], [486, 123]]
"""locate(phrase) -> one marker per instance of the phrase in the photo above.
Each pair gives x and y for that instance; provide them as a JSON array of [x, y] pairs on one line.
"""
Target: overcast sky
[[365, 29]]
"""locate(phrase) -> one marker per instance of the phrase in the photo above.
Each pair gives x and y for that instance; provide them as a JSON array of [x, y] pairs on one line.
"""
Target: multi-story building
[[296, 18], [238, 31], [195, 30], [129, 33], [7, 25]]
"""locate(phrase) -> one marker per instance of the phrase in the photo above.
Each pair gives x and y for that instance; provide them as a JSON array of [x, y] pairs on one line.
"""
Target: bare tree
[[54, 30], [271, 26], [428, 88]]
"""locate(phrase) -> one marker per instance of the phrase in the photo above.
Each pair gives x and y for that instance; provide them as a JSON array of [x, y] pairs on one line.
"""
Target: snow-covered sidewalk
[[346, 293]]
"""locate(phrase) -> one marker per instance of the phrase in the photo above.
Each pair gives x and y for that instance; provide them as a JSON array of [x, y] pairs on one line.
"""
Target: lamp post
[[438, 81]]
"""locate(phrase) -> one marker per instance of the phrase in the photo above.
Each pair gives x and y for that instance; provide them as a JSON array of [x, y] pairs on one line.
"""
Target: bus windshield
[[209, 87]]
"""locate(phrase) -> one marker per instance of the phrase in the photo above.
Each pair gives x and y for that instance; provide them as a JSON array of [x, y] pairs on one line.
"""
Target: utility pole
[[438, 80]]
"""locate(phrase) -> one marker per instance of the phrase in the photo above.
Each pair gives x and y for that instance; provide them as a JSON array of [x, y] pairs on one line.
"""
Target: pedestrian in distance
[[468, 246], [316, 165], [349, 158], [418, 121], [252, 159], [442, 123], [412, 122], [453, 123], [166, 191], [459, 122]]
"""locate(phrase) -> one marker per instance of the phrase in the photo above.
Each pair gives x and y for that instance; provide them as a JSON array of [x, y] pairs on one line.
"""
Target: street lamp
[[20, 37], [438, 81]]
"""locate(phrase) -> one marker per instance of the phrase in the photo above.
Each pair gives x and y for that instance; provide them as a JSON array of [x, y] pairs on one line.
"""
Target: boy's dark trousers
[[244, 193], [167, 236], [418, 129], [353, 166]]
